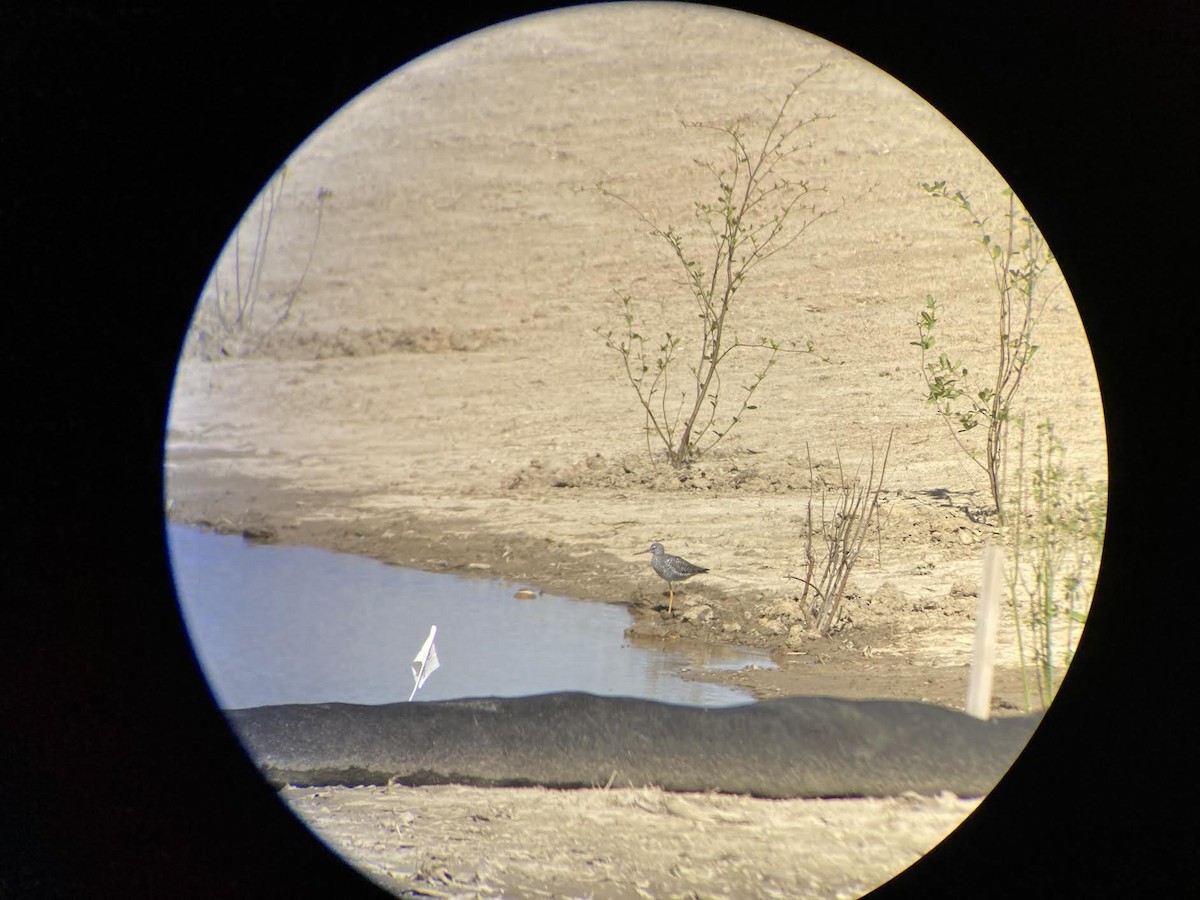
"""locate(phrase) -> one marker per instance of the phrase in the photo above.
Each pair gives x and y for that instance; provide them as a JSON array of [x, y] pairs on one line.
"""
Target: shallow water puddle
[[279, 624]]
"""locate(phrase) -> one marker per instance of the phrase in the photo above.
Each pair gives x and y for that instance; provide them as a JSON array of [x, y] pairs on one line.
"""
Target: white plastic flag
[[425, 662]]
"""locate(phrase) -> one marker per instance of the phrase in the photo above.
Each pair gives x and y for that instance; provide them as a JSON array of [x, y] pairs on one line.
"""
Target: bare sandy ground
[[531, 842], [439, 398]]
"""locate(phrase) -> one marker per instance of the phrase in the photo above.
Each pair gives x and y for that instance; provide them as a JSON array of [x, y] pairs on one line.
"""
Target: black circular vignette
[[145, 128]]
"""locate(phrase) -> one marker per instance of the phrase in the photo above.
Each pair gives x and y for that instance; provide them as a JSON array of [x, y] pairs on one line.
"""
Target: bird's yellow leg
[[670, 597]]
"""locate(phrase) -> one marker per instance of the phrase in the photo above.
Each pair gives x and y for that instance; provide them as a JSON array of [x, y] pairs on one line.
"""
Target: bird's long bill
[[647, 550]]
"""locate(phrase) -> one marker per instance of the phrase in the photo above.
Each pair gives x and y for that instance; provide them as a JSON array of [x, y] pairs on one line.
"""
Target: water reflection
[[280, 624]]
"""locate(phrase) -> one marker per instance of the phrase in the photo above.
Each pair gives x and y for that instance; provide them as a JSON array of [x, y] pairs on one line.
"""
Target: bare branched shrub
[[834, 535], [759, 210], [234, 310]]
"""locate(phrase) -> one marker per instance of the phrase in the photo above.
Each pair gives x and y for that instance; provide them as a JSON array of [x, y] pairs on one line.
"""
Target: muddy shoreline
[[857, 663]]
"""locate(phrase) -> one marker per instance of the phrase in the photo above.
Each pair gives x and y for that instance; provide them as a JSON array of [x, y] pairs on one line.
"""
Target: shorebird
[[671, 569]]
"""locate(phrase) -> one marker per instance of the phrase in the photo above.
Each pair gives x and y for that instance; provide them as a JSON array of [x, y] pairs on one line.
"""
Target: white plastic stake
[[987, 619]]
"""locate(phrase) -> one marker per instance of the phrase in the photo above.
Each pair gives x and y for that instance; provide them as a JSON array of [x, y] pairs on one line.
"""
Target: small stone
[[525, 595]]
